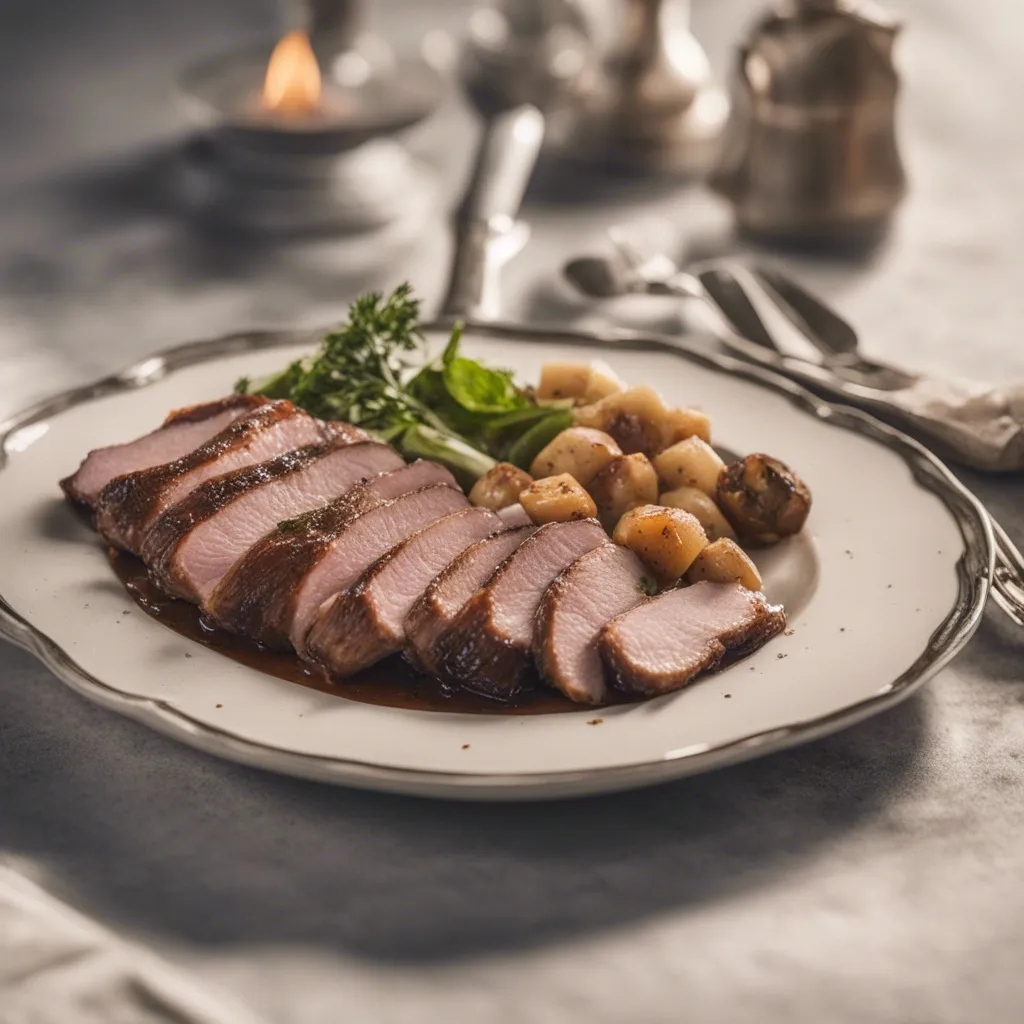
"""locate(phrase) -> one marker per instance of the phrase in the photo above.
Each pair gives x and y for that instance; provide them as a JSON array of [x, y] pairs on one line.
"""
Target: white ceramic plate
[[886, 583]]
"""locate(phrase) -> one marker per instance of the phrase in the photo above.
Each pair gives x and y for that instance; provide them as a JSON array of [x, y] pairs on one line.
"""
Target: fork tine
[[764, 314], [828, 330]]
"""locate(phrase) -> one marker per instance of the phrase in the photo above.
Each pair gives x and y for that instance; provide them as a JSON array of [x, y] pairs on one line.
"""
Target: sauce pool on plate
[[392, 683]]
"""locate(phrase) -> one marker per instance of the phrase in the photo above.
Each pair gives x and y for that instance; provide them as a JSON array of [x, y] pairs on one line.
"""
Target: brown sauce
[[392, 683]]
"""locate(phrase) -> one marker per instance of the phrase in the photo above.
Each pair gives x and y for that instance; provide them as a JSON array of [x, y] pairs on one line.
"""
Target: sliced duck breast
[[192, 544], [128, 504], [602, 584], [488, 647], [665, 641], [436, 609], [360, 626], [360, 544], [182, 432], [340, 432], [256, 596]]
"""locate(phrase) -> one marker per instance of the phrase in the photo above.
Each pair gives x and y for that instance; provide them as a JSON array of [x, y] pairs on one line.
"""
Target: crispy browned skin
[[204, 410], [429, 617], [190, 414], [345, 433], [474, 656], [256, 597], [130, 501], [171, 527]]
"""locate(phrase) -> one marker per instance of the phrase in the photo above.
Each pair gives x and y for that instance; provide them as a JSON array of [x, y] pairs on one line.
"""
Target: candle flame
[[292, 83]]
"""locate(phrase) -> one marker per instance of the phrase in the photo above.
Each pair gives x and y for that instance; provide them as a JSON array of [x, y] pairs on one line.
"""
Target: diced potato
[[690, 463], [603, 382], [582, 382], [635, 418], [624, 483], [500, 486], [580, 451], [557, 499], [698, 504], [667, 540], [724, 561], [680, 424], [563, 380]]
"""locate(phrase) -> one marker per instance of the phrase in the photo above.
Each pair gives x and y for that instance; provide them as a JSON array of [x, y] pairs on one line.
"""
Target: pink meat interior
[[362, 542], [155, 449], [402, 580], [517, 590], [280, 436], [207, 553]]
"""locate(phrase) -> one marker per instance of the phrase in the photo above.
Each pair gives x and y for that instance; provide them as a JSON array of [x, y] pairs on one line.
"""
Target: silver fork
[[764, 306]]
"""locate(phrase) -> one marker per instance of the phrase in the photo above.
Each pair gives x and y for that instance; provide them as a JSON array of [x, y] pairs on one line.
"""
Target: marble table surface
[[872, 876]]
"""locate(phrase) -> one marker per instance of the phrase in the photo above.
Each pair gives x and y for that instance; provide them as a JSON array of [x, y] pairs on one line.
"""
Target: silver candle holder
[[318, 152]]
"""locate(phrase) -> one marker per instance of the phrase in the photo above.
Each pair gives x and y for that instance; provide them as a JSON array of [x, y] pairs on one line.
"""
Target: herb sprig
[[373, 371]]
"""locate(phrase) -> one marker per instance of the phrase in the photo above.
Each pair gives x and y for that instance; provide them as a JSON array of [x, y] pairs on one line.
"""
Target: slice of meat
[[182, 432], [256, 597], [602, 584], [128, 504], [448, 593], [360, 626], [192, 545], [487, 648], [360, 544], [340, 432], [665, 641]]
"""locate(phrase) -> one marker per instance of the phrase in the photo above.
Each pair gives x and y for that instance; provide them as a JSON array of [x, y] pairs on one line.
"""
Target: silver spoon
[[763, 305], [606, 277]]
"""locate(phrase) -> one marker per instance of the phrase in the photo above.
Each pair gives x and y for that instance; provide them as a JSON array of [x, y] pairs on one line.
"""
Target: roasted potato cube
[[500, 486], [667, 540], [690, 463], [624, 483], [579, 451], [698, 504], [582, 382], [724, 561], [563, 380], [635, 418], [557, 499], [763, 498], [680, 424], [603, 382]]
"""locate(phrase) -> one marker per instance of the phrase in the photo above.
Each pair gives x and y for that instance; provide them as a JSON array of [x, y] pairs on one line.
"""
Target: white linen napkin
[[57, 967], [984, 426]]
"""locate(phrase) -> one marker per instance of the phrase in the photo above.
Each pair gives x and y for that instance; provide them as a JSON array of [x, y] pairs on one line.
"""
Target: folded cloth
[[56, 967], [982, 427]]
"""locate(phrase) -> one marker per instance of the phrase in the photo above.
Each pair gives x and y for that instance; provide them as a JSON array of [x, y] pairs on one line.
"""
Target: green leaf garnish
[[373, 371]]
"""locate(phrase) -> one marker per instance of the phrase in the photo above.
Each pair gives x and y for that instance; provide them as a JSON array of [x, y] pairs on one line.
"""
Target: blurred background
[[784, 883], [99, 263]]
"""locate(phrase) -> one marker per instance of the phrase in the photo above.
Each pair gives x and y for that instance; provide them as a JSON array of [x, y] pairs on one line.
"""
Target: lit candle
[[292, 83]]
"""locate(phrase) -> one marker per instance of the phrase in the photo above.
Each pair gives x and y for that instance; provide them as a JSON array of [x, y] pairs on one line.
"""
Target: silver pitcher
[[810, 152]]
